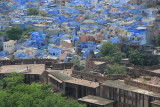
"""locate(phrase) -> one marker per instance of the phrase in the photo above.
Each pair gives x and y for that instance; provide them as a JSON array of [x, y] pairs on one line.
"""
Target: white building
[[9, 46]]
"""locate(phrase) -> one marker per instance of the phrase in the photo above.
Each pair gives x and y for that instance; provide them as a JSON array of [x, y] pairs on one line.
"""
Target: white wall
[[9, 46]]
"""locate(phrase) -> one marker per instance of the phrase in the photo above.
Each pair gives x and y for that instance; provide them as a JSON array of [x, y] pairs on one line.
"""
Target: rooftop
[[157, 71], [83, 82], [95, 100], [154, 81], [65, 75], [60, 75], [156, 102], [32, 69], [121, 85], [98, 62]]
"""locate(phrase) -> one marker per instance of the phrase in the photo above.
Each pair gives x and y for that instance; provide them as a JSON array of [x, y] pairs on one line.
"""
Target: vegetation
[[158, 40], [2, 33], [115, 69], [44, 15], [14, 33], [138, 58], [111, 52], [32, 11], [27, 31], [77, 63], [14, 93], [151, 4], [150, 60], [147, 77]]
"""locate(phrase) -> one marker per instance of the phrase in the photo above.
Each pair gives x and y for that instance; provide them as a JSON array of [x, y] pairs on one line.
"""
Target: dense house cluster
[[76, 27], [65, 30]]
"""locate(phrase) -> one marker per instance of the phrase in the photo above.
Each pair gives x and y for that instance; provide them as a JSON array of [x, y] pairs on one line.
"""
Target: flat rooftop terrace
[[32, 69], [156, 102], [65, 75], [121, 85], [95, 100], [157, 71]]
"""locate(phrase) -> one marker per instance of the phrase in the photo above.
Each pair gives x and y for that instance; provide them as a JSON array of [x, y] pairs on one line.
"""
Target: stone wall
[[125, 98], [154, 67], [77, 91], [142, 85], [96, 77], [91, 66], [49, 63], [62, 66], [25, 61], [137, 71]]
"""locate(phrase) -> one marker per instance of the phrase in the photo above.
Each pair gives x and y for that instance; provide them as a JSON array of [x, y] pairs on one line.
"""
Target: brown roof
[[65, 75], [26, 69], [83, 82], [157, 71], [95, 100], [156, 102], [121, 85]]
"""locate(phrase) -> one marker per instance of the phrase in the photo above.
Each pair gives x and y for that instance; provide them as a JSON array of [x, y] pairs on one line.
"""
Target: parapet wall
[[142, 85], [95, 77], [91, 66], [62, 66], [154, 67], [137, 71], [49, 63], [26, 61], [98, 59]]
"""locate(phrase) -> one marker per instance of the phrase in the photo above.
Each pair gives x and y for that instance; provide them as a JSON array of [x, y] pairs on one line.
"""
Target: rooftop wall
[[95, 77], [91, 66], [25, 61], [142, 85]]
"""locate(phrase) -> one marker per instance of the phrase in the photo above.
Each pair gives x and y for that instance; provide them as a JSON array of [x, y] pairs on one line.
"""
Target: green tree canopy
[[158, 40], [150, 60], [17, 94], [2, 34], [32, 11], [115, 69], [12, 81], [110, 51], [136, 57], [77, 63], [14, 33]]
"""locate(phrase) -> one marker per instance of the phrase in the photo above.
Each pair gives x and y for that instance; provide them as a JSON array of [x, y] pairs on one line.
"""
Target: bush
[[14, 33], [111, 52], [115, 69], [32, 11]]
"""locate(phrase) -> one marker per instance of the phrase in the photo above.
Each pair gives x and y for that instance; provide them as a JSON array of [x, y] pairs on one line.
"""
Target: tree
[[44, 15], [110, 51], [26, 31], [32, 11], [17, 94], [2, 34], [115, 69], [158, 40], [13, 80], [136, 57], [150, 60], [77, 63], [14, 33]]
